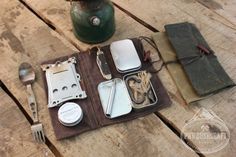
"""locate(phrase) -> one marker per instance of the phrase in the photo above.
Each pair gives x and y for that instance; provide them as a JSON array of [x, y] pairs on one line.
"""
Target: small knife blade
[[103, 65]]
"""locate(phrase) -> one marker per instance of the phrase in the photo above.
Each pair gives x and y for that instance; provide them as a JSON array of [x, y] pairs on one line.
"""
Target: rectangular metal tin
[[136, 106]]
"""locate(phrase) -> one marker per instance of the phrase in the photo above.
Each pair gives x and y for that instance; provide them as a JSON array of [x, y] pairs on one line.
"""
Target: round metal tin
[[70, 114]]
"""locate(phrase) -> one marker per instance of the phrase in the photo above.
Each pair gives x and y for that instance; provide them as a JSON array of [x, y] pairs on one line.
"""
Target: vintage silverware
[[27, 77]]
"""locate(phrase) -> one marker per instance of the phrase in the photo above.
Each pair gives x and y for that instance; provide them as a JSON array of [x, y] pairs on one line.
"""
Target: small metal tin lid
[[125, 56], [70, 114]]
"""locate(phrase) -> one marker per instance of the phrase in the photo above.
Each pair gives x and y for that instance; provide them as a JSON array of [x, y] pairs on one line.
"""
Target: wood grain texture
[[57, 14], [158, 13], [224, 8], [25, 38], [221, 35], [126, 28], [16, 138]]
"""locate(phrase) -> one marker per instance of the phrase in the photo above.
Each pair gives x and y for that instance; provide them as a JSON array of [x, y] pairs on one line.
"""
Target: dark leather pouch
[[198, 60], [93, 113]]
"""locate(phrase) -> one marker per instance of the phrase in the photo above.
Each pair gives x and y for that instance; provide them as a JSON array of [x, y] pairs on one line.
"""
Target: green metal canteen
[[93, 20]]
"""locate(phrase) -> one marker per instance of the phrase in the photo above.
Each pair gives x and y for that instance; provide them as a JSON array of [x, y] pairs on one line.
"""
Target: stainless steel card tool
[[63, 82], [103, 65]]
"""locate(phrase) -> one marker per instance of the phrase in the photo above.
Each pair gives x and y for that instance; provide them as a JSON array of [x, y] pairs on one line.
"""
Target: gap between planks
[[54, 28], [203, 4], [49, 23], [29, 119], [178, 133], [145, 24]]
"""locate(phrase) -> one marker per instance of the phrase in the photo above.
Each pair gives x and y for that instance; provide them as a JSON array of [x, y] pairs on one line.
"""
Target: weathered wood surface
[[57, 13], [49, 10], [126, 28], [219, 31], [221, 35], [26, 38], [16, 138], [225, 8]]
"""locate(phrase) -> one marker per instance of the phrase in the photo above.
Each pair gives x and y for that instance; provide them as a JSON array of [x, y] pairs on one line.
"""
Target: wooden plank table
[[16, 138], [38, 30]]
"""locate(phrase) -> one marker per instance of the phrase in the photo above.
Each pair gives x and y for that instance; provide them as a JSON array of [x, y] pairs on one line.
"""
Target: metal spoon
[[26, 73], [27, 77]]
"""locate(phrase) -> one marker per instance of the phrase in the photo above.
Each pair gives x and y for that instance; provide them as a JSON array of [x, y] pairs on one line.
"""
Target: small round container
[[70, 114]]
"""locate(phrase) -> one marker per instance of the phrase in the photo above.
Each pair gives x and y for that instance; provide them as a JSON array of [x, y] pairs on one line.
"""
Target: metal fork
[[27, 77], [37, 127]]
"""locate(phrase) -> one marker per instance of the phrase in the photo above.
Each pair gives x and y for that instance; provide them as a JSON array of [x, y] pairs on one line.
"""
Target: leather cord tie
[[203, 51]]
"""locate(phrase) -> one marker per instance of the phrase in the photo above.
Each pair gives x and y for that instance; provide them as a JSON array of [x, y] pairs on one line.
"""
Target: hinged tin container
[[125, 56], [136, 106]]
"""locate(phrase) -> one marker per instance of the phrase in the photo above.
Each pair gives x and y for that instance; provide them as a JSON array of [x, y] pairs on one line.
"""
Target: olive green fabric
[[176, 71], [203, 70]]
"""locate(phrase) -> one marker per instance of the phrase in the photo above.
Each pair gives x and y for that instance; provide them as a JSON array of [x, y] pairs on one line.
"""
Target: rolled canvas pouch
[[176, 70], [198, 60]]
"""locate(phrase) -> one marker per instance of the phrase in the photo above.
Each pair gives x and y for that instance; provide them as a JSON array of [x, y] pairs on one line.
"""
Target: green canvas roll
[[197, 59], [176, 70]]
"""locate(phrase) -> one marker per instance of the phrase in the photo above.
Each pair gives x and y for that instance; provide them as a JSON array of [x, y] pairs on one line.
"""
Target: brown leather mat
[[93, 113]]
